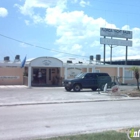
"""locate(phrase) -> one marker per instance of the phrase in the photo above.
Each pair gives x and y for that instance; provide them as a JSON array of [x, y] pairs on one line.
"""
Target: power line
[[40, 46], [118, 3], [93, 7]]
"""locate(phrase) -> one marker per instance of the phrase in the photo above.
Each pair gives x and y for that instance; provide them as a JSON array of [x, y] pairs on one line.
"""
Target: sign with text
[[115, 33], [9, 77], [72, 72], [117, 42]]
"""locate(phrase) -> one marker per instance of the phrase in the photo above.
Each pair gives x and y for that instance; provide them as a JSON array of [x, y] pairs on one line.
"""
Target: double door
[[50, 76], [53, 77], [36, 80]]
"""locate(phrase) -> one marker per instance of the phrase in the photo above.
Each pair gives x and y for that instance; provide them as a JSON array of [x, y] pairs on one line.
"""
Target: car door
[[88, 80]]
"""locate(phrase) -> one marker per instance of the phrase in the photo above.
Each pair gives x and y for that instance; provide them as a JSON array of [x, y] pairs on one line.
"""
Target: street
[[49, 120]]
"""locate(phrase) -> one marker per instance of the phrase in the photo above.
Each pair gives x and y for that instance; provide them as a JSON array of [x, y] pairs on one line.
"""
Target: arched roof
[[45, 62]]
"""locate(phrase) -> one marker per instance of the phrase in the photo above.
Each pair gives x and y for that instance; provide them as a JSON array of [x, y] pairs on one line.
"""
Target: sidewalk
[[22, 95]]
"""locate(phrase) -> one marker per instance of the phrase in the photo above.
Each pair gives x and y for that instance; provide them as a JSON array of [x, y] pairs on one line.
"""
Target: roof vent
[[6, 58], [68, 61], [98, 57], [91, 57], [80, 62], [17, 58]]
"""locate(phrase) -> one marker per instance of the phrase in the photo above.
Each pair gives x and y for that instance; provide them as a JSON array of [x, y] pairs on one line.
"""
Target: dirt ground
[[132, 93]]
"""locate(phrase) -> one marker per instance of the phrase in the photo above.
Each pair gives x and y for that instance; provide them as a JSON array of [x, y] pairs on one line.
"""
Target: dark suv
[[87, 80]]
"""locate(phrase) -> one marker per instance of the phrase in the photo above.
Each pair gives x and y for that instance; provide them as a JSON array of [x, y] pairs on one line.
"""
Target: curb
[[65, 102]]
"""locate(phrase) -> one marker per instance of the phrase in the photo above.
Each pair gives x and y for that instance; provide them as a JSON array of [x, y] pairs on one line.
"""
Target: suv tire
[[94, 89], [67, 89], [77, 87], [102, 87]]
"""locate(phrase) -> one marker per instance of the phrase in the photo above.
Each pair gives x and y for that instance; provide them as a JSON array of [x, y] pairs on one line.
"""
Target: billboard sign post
[[116, 33]]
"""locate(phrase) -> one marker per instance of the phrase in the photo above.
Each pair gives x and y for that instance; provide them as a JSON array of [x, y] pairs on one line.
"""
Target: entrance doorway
[[53, 77], [39, 77], [50, 76]]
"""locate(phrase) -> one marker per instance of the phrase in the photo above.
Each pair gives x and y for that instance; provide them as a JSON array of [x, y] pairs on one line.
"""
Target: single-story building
[[55, 70]]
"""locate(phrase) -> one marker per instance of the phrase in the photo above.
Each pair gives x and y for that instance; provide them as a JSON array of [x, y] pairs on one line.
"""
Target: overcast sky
[[48, 27]]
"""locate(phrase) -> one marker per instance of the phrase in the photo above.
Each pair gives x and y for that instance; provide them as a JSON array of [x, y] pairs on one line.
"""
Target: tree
[[136, 74]]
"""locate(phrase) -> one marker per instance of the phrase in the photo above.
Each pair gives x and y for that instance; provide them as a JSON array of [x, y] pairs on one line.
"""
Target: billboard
[[115, 33], [117, 42]]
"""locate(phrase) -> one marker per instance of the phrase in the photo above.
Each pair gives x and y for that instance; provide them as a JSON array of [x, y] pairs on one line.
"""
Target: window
[[128, 75], [97, 70], [89, 76]]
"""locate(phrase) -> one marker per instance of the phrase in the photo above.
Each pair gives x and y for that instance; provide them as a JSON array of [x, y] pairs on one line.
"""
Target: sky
[[66, 28]]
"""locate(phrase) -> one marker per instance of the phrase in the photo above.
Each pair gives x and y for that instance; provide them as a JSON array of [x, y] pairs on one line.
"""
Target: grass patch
[[108, 135]]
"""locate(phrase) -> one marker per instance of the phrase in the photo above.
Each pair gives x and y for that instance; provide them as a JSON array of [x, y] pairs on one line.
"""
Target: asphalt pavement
[[22, 95]]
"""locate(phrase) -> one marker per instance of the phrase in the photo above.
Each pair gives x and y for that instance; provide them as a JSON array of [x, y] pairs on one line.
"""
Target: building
[[54, 70], [122, 62]]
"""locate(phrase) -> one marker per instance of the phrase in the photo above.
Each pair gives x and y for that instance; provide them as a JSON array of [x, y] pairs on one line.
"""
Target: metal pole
[[126, 54], [111, 54], [29, 76], [104, 52]]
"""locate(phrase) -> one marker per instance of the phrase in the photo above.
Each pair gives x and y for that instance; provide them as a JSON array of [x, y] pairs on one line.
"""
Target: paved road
[[48, 120]]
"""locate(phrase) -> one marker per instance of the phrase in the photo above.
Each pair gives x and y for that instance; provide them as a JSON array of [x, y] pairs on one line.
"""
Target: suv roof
[[101, 73]]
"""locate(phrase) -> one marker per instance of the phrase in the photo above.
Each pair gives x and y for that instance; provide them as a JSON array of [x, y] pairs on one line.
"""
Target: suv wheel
[[102, 87], [94, 89], [77, 87], [67, 89]]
